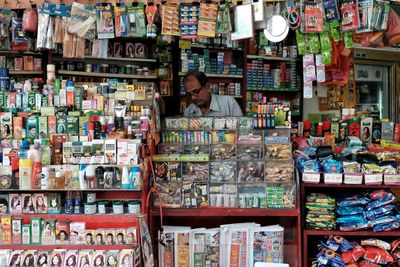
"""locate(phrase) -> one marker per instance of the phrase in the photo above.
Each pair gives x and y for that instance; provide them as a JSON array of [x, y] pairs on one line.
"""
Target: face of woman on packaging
[[42, 259], [111, 260], [27, 260], [62, 236], [54, 203], [55, 260], [70, 260], [126, 259], [29, 201], [18, 260], [40, 201], [98, 261], [99, 239]]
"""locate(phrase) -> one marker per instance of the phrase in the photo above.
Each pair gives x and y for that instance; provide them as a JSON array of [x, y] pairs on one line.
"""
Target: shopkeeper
[[202, 102]]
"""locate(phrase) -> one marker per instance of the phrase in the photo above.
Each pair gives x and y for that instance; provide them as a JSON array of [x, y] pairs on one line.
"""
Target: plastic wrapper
[[204, 123], [377, 255], [367, 264], [223, 137], [194, 195], [307, 165], [375, 243], [385, 199], [245, 123], [167, 171], [222, 171], [223, 195], [353, 201], [279, 171], [30, 20], [195, 171], [356, 253], [249, 152], [223, 151], [386, 227], [165, 148], [281, 196], [338, 244], [351, 167], [382, 210], [58, 30], [250, 137], [331, 166], [170, 194], [83, 21], [278, 151], [320, 206], [252, 171], [352, 219], [225, 123], [393, 32], [353, 227], [350, 210], [320, 198], [383, 220], [330, 258], [389, 169], [370, 168], [176, 123], [196, 149], [252, 196]]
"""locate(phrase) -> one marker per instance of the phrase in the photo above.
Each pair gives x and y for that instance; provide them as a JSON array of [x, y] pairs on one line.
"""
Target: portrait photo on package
[[84, 258], [71, 258], [126, 258], [120, 236], [131, 235], [110, 236], [62, 232], [118, 51], [29, 258], [89, 237], [112, 258], [15, 258], [57, 258], [130, 50], [98, 258], [43, 258], [100, 237], [40, 200], [49, 232], [15, 203], [4, 203], [4, 254], [28, 203], [53, 203]]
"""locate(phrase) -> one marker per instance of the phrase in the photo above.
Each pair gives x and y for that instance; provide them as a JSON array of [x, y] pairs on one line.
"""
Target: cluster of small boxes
[[226, 89], [189, 16], [27, 63]]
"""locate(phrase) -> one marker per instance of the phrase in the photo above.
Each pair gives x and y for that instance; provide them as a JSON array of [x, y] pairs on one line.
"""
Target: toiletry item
[[82, 181], [134, 207], [44, 177], [118, 207], [91, 177], [125, 178], [134, 178], [25, 174]]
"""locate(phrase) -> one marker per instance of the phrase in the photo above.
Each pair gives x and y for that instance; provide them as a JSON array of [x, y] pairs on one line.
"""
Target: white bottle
[[44, 177], [125, 178]]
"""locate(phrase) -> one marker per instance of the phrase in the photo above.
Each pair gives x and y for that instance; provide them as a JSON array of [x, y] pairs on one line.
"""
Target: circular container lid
[[277, 28]]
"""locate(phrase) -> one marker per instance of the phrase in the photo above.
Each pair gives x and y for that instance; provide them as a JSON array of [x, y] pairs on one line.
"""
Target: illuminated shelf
[[26, 72], [69, 247], [208, 46], [273, 89], [271, 58], [214, 75], [127, 59], [106, 75]]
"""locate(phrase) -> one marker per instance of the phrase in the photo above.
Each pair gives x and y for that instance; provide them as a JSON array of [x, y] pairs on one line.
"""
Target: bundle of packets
[[339, 252], [374, 210], [320, 212]]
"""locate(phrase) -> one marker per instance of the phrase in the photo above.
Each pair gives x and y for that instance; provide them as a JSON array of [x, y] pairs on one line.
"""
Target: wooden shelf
[[214, 75], [224, 212], [351, 233], [69, 247], [25, 53], [273, 89], [295, 113], [66, 190], [271, 58], [322, 185], [106, 75], [124, 59], [205, 46], [26, 72], [235, 96]]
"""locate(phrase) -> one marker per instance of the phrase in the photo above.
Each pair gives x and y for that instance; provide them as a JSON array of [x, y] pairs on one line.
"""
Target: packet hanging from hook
[[121, 20], [151, 10], [136, 20], [105, 21], [380, 15], [312, 15], [331, 11], [350, 18], [365, 9]]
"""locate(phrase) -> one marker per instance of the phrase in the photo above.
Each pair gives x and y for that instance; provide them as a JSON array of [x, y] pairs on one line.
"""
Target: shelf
[[205, 46], [322, 185], [235, 96], [66, 190], [126, 59], [121, 218], [295, 113], [106, 75], [26, 72], [214, 75], [69, 247], [271, 58], [26, 53], [273, 89], [224, 212], [351, 233]]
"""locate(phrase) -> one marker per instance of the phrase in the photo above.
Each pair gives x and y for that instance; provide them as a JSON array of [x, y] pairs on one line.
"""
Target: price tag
[[375, 178], [333, 178], [392, 179], [311, 177], [353, 178]]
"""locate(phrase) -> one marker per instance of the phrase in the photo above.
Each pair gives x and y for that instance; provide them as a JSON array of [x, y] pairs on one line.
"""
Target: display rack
[[312, 237]]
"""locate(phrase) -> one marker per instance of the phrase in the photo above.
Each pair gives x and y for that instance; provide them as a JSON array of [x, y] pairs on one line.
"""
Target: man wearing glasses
[[202, 102]]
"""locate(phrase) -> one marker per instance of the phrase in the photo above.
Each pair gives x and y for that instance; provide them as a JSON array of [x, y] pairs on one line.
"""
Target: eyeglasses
[[195, 92]]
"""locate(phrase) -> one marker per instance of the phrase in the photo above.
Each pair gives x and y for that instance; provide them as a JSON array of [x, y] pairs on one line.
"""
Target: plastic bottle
[[60, 181], [78, 202], [45, 152], [125, 184], [82, 181], [25, 174], [44, 177], [51, 181], [69, 203], [91, 177], [134, 178]]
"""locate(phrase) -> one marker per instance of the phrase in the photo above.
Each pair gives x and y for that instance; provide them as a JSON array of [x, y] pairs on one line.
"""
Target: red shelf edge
[[351, 233], [70, 247], [309, 185], [84, 217], [221, 212]]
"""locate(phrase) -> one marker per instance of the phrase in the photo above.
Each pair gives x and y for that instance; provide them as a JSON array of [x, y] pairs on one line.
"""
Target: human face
[[18, 261], [99, 239], [111, 260], [196, 93], [32, 132], [55, 260], [54, 203], [40, 201], [126, 259], [29, 202], [3, 208], [109, 239], [89, 239], [42, 259], [27, 261], [70, 261], [62, 236], [120, 239], [98, 261]]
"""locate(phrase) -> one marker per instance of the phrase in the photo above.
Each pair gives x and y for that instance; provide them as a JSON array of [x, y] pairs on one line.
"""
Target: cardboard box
[[6, 125], [122, 152], [15, 203], [387, 131], [18, 130], [376, 132], [6, 231], [62, 232], [43, 132], [366, 130], [61, 125], [77, 233], [52, 125], [26, 234], [110, 151], [17, 231], [72, 125], [36, 231]]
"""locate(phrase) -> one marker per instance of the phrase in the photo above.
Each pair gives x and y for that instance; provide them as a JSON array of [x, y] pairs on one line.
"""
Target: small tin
[[118, 207], [134, 207], [113, 68], [128, 69], [140, 71], [90, 197], [242, 201], [96, 68], [88, 67], [18, 63], [90, 208], [122, 69], [70, 66], [80, 66], [102, 206], [104, 68]]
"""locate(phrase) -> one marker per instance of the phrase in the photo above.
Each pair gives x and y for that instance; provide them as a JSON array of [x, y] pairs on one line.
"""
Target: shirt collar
[[214, 104]]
